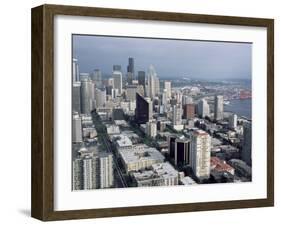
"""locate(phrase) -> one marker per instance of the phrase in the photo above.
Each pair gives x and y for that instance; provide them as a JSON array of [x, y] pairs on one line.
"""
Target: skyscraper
[[189, 111], [76, 128], [143, 112], [203, 108], [200, 154], [106, 170], [164, 100], [151, 128], [141, 78], [97, 78], [86, 95], [177, 115], [131, 91], [117, 78], [167, 86], [100, 97], [232, 121], [92, 171], [75, 70], [218, 107], [247, 143], [152, 82], [182, 152], [131, 67], [76, 97]]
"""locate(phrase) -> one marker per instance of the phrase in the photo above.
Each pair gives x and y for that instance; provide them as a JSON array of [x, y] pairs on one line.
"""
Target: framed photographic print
[[142, 112]]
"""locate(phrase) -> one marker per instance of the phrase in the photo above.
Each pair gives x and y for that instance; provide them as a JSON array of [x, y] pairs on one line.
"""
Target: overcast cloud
[[178, 58]]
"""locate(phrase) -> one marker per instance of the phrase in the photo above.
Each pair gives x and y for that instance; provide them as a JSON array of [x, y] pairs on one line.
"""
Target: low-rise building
[[160, 174], [139, 157]]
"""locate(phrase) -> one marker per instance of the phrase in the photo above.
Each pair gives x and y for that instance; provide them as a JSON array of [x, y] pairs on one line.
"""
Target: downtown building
[[232, 121], [218, 111], [177, 117], [167, 87], [160, 174], [189, 111], [139, 157], [203, 108], [87, 95], [200, 154], [179, 150], [246, 154], [92, 170], [117, 80], [153, 86], [76, 128], [144, 111], [75, 70], [151, 129], [76, 97]]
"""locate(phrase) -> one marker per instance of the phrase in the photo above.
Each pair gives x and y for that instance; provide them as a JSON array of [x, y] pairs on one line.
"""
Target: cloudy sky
[[171, 58]]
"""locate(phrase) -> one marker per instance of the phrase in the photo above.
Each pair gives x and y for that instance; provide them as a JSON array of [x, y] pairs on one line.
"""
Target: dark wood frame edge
[[42, 197]]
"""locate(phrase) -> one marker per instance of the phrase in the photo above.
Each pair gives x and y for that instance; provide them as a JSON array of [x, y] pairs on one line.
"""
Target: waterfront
[[240, 107]]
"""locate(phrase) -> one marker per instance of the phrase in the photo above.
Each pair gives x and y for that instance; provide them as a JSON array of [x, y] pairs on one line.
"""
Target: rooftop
[[139, 153]]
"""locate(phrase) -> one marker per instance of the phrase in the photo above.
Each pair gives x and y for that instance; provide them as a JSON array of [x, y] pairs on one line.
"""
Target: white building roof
[[140, 153]]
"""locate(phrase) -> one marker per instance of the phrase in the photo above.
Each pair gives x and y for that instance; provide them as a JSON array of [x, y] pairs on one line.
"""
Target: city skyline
[[134, 129], [171, 58]]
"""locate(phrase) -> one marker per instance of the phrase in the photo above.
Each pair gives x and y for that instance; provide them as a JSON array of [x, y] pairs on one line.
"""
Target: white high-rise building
[[117, 78], [200, 150], [85, 171], [177, 115], [75, 70], [153, 82], [164, 100], [151, 129], [218, 111], [178, 97], [86, 95], [167, 86], [106, 170], [76, 128], [76, 97], [203, 108], [232, 121], [92, 171]]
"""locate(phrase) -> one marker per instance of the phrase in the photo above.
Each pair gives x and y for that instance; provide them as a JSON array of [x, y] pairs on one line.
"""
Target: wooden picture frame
[[42, 203]]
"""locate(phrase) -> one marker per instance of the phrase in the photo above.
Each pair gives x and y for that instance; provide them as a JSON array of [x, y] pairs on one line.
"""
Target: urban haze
[[158, 112]]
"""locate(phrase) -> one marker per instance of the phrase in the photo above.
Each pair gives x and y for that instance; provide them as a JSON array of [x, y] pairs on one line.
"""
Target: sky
[[171, 58]]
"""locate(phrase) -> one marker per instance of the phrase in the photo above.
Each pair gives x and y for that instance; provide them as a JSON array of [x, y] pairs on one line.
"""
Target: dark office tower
[[247, 143], [143, 112], [116, 67], [171, 145], [108, 90], [141, 78], [189, 111], [130, 67], [182, 152]]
